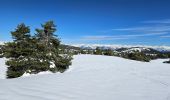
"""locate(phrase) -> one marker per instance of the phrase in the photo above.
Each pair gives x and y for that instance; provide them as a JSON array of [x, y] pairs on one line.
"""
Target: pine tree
[[50, 43], [33, 54], [18, 51], [108, 52], [98, 51]]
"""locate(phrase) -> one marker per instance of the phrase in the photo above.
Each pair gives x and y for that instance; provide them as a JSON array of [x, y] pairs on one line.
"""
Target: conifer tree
[[108, 52], [98, 51], [50, 43], [34, 54], [18, 51]]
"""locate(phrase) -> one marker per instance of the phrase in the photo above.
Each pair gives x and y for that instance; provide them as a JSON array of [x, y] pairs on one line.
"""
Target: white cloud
[[166, 36], [163, 21], [119, 37], [134, 32], [146, 29]]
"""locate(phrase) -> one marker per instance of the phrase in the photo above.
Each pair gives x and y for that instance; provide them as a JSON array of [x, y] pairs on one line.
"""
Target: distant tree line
[[135, 55]]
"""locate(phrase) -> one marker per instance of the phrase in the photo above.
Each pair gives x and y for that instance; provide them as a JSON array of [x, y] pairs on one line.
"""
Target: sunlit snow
[[94, 77]]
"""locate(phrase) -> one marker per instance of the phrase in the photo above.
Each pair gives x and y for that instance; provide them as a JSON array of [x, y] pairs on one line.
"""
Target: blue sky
[[130, 22]]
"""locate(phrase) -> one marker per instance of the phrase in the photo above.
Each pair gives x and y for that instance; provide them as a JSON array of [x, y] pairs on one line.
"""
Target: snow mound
[[95, 77]]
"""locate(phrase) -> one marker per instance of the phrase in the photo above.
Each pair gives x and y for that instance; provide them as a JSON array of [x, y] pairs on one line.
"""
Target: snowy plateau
[[93, 77]]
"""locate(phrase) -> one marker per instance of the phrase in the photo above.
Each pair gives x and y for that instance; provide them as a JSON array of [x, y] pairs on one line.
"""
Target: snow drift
[[93, 77]]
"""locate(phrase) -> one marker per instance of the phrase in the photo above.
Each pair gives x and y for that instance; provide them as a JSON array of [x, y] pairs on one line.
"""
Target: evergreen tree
[[18, 51], [136, 55], [82, 51], [33, 54], [98, 51], [108, 52], [50, 47]]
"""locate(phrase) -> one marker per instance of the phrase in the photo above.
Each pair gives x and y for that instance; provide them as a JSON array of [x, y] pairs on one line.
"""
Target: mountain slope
[[94, 77]]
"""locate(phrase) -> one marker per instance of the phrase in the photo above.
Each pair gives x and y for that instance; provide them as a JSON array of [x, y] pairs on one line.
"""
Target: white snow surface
[[3, 68], [94, 77], [40, 73]]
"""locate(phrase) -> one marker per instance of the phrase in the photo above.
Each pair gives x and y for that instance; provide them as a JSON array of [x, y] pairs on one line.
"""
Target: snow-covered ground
[[3, 68], [94, 77]]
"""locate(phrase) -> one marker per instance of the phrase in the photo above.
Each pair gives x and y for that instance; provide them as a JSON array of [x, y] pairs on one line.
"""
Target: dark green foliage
[[108, 52], [163, 55], [98, 51], [67, 49], [82, 51], [89, 51], [140, 55], [136, 56], [62, 63], [18, 51], [1, 51], [63, 46], [33, 54], [49, 43]]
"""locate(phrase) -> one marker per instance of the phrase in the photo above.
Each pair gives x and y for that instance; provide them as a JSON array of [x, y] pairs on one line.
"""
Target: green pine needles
[[34, 54]]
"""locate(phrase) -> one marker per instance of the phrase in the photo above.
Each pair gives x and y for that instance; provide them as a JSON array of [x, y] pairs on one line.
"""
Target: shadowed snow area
[[93, 77]]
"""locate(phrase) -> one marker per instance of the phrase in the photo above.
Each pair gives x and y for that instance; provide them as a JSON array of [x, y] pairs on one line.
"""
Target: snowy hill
[[93, 77]]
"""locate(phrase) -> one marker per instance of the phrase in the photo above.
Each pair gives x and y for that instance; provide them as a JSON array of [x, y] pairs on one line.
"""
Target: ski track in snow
[[94, 77]]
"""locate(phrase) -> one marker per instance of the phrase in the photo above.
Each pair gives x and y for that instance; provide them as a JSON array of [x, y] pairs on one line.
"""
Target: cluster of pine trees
[[139, 56], [144, 56], [97, 51], [136, 55], [34, 53]]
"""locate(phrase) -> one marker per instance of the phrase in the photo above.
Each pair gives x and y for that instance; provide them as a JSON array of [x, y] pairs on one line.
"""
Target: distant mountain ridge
[[114, 47]]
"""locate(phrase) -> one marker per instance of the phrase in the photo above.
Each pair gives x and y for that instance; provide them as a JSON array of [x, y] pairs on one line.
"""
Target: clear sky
[[143, 22]]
